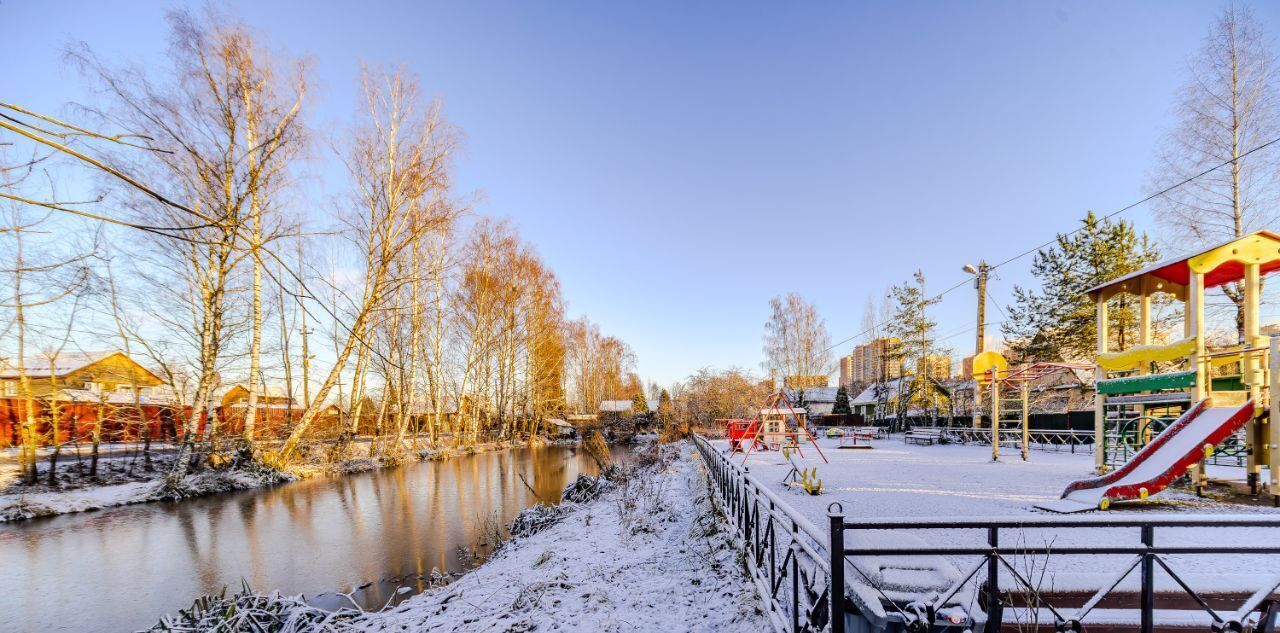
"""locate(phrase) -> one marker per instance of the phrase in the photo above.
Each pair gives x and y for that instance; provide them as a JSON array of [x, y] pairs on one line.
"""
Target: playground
[[900, 479], [915, 485]]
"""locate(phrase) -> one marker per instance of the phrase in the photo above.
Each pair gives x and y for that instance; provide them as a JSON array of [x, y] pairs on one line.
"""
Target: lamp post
[[979, 273]]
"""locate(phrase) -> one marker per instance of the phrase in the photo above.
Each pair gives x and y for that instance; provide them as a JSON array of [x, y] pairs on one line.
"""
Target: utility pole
[[980, 345], [306, 353], [922, 371]]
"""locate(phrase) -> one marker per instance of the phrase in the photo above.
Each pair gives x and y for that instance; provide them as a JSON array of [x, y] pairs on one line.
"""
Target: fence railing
[[784, 548], [787, 555], [1062, 441]]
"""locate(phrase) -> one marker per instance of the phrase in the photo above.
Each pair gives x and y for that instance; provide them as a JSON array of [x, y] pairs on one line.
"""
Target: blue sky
[[678, 164]]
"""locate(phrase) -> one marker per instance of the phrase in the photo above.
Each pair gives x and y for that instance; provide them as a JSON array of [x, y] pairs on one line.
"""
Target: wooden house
[[94, 372]]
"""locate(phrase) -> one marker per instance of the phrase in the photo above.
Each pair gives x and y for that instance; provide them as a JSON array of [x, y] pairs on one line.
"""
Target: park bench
[[869, 433], [923, 436]]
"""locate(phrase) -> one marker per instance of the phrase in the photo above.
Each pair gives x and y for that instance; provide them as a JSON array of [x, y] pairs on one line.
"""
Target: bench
[[868, 433], [923, 436]]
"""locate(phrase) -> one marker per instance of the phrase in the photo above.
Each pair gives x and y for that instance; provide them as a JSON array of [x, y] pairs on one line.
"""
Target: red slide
[[1166, 458]]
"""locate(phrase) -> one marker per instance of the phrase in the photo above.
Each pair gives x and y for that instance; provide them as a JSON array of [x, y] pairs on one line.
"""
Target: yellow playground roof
[[1220, 265]]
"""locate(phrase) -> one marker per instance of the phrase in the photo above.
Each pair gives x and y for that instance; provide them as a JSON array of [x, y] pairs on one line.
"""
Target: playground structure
[[1187, 441], [777, 426], [991, 371], [1149, 387]]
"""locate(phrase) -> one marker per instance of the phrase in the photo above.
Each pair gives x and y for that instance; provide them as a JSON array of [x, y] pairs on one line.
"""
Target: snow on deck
[[940, 482]]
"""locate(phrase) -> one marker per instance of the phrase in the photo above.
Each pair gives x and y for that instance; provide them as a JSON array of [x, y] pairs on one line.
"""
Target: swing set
[[777, 426]]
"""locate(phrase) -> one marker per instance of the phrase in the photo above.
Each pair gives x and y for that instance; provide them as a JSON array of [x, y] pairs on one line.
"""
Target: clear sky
[[678, 164]]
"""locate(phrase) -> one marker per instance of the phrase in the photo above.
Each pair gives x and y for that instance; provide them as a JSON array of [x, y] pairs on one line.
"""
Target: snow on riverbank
[[665, 564], [649, 554], [19, 503]]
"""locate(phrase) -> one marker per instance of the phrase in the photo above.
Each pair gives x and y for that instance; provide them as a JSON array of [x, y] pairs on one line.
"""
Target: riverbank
[[79, 493], [649, 554]]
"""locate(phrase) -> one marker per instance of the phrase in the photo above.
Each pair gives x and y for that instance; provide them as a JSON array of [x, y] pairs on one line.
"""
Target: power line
[[1059, 236]]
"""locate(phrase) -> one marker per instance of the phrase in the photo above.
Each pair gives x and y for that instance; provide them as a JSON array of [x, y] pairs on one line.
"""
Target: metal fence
[[1063, 441], [797, 568], [786, 554]]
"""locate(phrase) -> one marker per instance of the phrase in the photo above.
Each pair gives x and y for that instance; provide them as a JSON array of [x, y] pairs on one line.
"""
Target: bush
[[530, 521], [583, 489]]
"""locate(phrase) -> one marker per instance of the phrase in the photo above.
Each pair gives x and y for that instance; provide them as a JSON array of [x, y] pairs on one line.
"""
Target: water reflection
[[119, 569]]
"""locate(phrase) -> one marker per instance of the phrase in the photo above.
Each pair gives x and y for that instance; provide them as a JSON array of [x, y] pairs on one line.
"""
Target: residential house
[[81, 395], [276, 410], [818, 401], [94, 372]]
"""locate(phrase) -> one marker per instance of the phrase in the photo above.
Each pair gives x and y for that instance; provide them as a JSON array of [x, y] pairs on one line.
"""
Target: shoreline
[[651, 553], [21, 506]]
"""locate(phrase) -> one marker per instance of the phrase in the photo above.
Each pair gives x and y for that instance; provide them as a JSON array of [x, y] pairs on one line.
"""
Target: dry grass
[[598, 449]]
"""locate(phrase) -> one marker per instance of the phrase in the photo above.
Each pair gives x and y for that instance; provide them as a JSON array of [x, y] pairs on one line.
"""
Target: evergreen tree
[[639, 405], [664, 408], [916, 344], [1058, 322], [842, 402]]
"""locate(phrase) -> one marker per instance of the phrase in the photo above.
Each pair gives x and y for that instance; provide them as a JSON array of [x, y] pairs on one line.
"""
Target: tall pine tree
[[1058, 322], [842, 402], [916, 342]]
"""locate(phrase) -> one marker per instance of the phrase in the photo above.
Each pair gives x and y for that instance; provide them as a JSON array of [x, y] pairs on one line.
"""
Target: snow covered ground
[[648, 555], [897, 480], [663, 567]]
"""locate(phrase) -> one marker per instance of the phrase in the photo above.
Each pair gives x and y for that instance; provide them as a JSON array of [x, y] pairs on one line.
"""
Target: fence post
[[795, 577], [835, 513], [1147, 602], [995, 606]]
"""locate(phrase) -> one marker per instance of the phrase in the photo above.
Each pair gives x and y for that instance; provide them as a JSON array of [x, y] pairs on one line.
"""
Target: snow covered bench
[[923, 436]]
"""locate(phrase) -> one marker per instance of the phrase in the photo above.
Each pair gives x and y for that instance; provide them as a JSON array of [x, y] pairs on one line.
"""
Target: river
[[119, 569]]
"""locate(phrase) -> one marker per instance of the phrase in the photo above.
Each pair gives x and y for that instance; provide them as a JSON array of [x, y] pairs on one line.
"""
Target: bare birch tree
[[1226, 108], [796, 341]]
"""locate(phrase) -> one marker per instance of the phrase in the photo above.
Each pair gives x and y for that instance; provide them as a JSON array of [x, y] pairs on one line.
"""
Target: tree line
[[203, 251]]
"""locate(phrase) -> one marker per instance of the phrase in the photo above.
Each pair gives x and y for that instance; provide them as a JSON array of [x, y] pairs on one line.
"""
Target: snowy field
[[941, 482]]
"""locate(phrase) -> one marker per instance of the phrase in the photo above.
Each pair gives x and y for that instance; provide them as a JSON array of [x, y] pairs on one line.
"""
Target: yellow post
[[1099, 401], [995, 414], [1251, 372], [1199, 391], [1273, 425], [1195, 316], [1144, 320], [1026, 419]]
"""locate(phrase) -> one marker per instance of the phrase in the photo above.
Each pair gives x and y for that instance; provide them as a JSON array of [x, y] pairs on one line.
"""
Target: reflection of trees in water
[[205, 561], [549, 472], [307, 537], [260, 566]]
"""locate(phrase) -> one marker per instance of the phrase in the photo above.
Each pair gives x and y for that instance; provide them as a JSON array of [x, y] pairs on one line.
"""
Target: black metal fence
[[784, 548], [786, 553]]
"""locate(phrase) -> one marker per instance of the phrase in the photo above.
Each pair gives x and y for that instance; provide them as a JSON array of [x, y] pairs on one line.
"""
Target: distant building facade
[[874, 362], [805, 382], [939, 366], [846, 371]]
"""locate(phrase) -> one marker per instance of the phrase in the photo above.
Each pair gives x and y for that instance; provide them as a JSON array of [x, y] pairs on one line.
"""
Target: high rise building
[[846, 371], [874, 362], [939, 366]]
